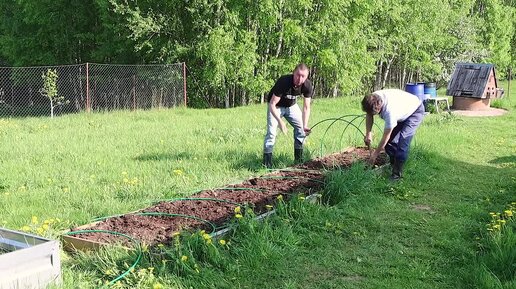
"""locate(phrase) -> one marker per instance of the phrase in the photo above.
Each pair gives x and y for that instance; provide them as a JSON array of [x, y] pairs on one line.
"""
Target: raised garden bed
[[211, 209], [28, 261]]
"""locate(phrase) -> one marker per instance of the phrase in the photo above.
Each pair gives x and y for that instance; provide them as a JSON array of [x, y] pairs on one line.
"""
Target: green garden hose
[[292, 178], [132, 267], [198, 199]]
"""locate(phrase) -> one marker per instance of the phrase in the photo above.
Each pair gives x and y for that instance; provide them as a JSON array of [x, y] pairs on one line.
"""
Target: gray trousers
[[399, 143], [294, 116]]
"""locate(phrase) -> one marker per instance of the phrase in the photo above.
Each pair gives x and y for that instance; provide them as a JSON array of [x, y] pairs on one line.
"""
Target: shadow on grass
[[254, 161], [165, 156], [504, 160]]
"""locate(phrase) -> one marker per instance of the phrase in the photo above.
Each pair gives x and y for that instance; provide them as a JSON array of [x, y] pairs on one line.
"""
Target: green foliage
[[236, 49], [49, 89]]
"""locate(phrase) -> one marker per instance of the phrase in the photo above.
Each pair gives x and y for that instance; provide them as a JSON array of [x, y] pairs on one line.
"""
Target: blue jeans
[[294, 116], [401, 136]]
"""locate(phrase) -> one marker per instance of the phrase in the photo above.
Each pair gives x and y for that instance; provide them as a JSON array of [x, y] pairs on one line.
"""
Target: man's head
[[371, 104], [300, 74]]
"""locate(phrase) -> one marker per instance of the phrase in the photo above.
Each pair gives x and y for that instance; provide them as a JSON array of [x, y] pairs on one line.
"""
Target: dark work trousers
[[401, 136]]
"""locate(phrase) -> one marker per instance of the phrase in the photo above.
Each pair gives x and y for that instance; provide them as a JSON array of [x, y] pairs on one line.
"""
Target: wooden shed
[[472, 86]]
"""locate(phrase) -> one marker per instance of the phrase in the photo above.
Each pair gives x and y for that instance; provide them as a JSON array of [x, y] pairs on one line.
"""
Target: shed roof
[[470, 79]]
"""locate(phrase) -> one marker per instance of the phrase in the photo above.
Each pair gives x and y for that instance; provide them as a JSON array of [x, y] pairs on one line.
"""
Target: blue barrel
[[430, 89], [417, 89]]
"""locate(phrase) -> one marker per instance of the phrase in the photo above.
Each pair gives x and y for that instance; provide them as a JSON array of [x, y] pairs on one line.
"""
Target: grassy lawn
[[428, 231]]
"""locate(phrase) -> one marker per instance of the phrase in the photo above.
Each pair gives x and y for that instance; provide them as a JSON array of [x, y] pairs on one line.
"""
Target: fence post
[[88, 103], [134, 92], [184, 81]]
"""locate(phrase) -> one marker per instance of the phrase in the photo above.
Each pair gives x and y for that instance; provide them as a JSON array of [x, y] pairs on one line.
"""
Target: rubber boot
[[298, 156], [397, 170], [267, 160], [391, 161]]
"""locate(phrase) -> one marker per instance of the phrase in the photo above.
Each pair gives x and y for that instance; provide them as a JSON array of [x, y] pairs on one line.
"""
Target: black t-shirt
[[284, 88]]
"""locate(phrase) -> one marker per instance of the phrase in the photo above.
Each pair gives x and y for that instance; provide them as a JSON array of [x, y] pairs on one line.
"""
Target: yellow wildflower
[[222, 242], [40, 230], [184, 258], [25, 228], [279, 197], [177, 172], [238, 216], [45, 227], [157, 286], [508, 213], [237, 210], [206, 236], [34, 219]]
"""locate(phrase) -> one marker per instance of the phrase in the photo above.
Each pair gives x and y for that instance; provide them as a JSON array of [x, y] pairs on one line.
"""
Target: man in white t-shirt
[[402, 112]]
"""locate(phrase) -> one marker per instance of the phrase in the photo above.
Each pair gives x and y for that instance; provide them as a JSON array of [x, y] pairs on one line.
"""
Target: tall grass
[[428, 231]]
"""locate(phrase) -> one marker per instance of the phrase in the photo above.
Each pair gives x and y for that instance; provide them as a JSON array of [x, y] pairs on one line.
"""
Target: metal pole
[[184, 81], [88, 103], [134, 92]]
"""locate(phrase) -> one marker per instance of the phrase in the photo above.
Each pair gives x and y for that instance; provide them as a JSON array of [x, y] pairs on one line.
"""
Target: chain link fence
[[92, 87]]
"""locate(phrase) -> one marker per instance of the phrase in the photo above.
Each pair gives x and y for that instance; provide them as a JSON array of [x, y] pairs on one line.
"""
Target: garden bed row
[[212, 209]]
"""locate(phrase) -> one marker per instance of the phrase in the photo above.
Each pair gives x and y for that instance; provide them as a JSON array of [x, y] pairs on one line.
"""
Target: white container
[[28, 261]]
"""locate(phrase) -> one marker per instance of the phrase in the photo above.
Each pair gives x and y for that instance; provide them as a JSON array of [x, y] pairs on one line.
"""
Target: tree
[[49, 90]]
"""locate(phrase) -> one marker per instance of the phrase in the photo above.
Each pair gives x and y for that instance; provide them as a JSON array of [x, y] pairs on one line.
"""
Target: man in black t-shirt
[[282, 103]]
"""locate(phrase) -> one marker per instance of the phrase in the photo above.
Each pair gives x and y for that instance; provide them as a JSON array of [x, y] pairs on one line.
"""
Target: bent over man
[[402, 113], [282, 103]]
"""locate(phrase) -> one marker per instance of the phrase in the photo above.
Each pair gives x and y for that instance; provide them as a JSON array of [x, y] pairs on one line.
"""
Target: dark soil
[[306, 178]]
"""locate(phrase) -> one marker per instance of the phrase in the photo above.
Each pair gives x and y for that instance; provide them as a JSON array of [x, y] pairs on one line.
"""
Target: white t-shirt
[[397, 105]]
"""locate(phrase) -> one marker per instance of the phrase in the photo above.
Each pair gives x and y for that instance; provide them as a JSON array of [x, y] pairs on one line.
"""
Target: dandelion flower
[[238, 216], [184, 258], [206, 236], [34, 219], [25, 228], [508, 213], [237, 210], [222, 242]]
